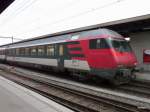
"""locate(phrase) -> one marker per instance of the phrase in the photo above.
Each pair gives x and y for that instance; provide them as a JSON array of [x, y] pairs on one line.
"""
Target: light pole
[[12, 38]]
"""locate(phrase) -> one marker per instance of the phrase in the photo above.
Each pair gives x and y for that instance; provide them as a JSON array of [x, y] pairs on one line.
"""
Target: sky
[[31, 18]]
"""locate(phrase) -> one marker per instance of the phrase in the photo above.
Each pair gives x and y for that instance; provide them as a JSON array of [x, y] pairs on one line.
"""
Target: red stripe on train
[[73, 45], [78, 58], [75, 52]]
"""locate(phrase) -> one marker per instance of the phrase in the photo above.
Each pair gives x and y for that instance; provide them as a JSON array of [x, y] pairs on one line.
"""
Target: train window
[[4, 51], [50, 50], [22, 51], [27, 51], [33, 51], [41, 50], [13, 52], [98, 44], [1, 52], [121, 45], [10, 52], [61, 50], [104, 44], [93, 43], [17, 52]]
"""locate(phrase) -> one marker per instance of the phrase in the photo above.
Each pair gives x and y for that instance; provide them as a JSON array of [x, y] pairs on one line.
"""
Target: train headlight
[[135, 63]]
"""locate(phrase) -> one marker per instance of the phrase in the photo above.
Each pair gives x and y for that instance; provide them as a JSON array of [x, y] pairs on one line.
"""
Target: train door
[[61, 56]]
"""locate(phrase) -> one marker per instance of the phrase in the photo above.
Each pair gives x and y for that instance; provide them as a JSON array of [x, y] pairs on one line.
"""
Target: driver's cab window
[[98, 43]]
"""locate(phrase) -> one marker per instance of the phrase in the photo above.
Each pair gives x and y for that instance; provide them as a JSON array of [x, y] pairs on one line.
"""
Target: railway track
[[138, 88], [76, 100]]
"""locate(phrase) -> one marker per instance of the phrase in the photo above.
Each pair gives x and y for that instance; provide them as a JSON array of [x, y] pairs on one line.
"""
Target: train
[[97, 54]]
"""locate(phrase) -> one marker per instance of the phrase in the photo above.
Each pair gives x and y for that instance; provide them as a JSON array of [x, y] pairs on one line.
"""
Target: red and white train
[[100, 53]]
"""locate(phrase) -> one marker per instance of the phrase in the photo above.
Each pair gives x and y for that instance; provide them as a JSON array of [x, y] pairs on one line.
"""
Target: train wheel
[[133, 76], [80, 76], [120, 79]]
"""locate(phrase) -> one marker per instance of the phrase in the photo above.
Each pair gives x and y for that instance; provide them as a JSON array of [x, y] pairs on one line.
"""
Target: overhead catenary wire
[[70, 4], [74, 16], [12, 38], [26, 5]]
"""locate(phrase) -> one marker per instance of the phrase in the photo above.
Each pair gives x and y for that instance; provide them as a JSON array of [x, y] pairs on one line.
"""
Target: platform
[[143, 76], [15, 98]]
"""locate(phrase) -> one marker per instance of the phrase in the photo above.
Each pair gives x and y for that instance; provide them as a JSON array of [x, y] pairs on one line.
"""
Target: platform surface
[[145, 76], [15, 98]]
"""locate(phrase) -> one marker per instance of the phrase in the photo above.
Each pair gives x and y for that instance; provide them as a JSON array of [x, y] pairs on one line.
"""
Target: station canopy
[[4, 4]]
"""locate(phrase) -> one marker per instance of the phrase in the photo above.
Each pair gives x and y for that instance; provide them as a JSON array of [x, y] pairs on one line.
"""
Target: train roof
[[64, 38]]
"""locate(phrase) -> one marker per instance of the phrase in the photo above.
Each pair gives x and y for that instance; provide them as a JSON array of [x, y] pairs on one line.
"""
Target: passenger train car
[[100, 53]]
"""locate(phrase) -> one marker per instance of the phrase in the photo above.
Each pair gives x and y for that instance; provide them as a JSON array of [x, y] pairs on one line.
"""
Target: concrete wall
[[140, 41]]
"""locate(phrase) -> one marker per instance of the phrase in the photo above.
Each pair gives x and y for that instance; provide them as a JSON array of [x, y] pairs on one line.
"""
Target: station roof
[[124, 27], [131, 25], [4, 4]]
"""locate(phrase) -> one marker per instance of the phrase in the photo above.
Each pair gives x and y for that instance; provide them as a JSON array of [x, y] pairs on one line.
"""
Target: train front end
[[124, 58], [111, 57]]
